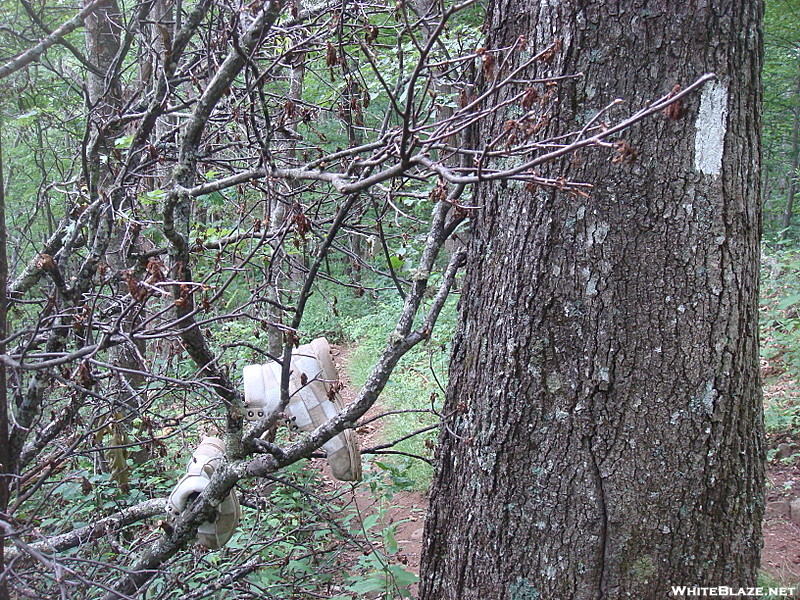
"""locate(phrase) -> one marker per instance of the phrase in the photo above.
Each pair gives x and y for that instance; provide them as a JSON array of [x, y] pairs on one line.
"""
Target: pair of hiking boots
[[314, 399]]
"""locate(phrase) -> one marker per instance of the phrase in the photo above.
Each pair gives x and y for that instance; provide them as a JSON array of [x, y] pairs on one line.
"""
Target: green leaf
[[364, 586], [396, 262], [214, 199], [300, 566], [153, 197], [402, 578], [369, 522], [124, 142], [789, 301], [390, 539]]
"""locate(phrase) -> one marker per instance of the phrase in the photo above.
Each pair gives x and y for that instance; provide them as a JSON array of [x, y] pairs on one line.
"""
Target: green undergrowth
[[416, 384], [780, 337], [769, 584], [307, 542]]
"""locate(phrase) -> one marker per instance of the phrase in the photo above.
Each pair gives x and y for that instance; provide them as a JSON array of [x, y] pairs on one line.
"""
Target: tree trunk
[[103, 37], [5, 449], [283, 275], [788, 211], [103, 31], [605, 429]]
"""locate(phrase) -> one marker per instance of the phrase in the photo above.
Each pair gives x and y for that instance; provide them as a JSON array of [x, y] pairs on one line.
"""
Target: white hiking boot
[[216, 533], [315, 399]]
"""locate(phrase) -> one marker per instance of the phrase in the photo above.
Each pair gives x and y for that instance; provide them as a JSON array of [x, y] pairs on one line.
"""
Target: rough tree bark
[[604, 437], [5, 454], [788, 211]]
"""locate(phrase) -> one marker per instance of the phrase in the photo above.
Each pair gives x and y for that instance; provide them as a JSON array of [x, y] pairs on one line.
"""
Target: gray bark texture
[[788, 211], [603, 435]]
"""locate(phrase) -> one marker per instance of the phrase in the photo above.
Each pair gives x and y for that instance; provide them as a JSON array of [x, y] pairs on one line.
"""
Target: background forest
[[194, 187]]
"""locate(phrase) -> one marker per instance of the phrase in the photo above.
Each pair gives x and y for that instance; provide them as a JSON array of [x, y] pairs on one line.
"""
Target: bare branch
[[97, 529], [32, 54]]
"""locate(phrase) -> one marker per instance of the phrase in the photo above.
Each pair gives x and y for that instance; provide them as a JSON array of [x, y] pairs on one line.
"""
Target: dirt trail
[[406, 509], [780, 556]]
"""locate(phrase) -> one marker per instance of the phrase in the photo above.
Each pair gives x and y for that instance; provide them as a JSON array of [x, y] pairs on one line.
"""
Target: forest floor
[[781, 529], [780, 556], [406, 509]]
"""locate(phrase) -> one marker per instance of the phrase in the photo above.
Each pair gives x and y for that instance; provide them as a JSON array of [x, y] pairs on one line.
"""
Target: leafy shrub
[[780, 336], [417, 384]]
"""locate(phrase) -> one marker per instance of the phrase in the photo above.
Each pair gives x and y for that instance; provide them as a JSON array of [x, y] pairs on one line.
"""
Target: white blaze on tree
[[709, 142]]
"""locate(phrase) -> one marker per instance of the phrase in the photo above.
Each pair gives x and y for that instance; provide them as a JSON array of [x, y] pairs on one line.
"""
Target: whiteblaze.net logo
[[724, 591]]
